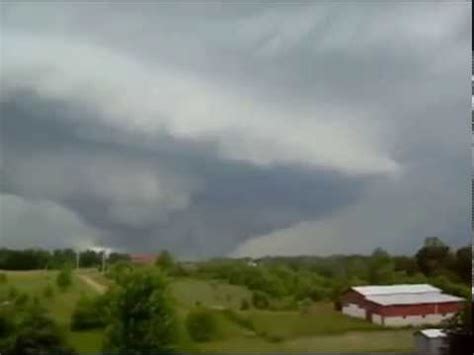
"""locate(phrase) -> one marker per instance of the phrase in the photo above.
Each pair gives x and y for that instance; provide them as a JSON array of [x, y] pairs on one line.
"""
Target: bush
[[64, 279], [260, 300], [244, 305], [48, 291], [165, 261], [12, 293], [119, 270], [201, 325], [87, 315], [6, 325], [305, 305], [452, 288], [22, 300], [319, 294], [38, 334]]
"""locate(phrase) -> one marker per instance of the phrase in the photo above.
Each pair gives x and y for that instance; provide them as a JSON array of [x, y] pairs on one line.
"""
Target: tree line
[[286, 281], [36, 259]]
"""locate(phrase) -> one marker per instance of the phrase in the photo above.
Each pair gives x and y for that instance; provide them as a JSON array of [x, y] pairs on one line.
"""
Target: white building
[[400, 305]]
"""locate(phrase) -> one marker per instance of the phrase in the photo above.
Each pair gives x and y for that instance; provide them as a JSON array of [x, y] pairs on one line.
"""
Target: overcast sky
[[209, 130]]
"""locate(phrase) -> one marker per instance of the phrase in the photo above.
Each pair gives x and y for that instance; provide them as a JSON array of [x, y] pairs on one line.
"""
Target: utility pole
[[103, 260], [78, 259]]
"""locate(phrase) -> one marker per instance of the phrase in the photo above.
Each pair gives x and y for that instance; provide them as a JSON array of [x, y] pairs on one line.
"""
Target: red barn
[[143, 259], [400, 305]]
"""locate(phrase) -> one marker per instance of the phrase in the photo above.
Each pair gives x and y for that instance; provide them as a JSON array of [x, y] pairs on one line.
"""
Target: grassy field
[[322, 319], [393, 340], [322, 329], [61, 305], [213, 294]]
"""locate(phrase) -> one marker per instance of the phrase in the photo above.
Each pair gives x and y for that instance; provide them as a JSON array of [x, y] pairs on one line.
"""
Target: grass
[[393, 340], [97, 276], [322, 329], [385, 340], [213, 294], [61, 305], [321, 320]]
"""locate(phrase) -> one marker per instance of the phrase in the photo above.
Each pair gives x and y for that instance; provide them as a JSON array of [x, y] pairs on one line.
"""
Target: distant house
[[400, 305], [430, 342], [143, 259], [252, 263]]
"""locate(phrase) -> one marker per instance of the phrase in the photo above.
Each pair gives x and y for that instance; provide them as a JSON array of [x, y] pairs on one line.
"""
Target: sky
[[235, 129]]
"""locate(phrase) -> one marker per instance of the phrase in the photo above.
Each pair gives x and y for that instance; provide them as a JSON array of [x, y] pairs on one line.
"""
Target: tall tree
[[165, 261], [463, 264], [381, 267], [432, 257], [142, 316]]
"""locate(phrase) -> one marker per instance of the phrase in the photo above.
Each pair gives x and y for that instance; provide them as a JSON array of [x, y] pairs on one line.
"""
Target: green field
[[321, 329], [394, 340], [61, 305], [213, 294]]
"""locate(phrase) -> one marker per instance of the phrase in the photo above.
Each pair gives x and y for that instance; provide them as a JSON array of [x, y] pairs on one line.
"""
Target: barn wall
[[353, 297], [377, 319], [401, 321], [355, 305], [419, 309], [354, 310]]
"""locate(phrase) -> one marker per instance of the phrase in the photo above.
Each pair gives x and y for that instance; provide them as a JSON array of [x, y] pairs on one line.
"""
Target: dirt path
[[93, 284]]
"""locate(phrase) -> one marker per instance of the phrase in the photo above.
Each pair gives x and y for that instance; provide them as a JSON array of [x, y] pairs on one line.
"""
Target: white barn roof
[[413, 298], [396, 289]]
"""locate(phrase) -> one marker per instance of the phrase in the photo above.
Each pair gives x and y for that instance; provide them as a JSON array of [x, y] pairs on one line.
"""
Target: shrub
[[48, 291], [119, 270], [36, 301], [87, 315], [22, 299], [244, 305], [260, 300], [318, 294], [12, 293], [6, 324], [165, 261], [38, 334], [64, 279], [305, 305], [201, 325]]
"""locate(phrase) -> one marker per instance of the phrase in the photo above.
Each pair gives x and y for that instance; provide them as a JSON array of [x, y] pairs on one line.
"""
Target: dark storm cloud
[[236, 201], [208, 129]]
